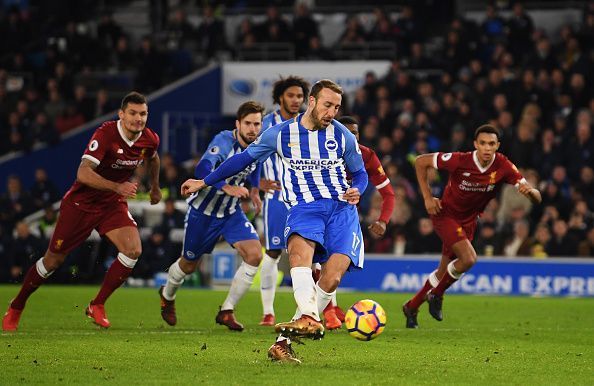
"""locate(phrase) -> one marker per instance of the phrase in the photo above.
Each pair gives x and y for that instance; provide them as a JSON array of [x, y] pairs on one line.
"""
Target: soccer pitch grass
[[483, 340]]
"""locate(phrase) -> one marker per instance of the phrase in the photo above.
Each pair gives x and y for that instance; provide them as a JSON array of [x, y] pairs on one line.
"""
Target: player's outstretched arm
[[154, 166], [87, 175], [531, 193], [422, 163]]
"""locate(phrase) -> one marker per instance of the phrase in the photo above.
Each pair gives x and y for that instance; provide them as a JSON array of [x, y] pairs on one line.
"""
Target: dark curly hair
[[281, 85]]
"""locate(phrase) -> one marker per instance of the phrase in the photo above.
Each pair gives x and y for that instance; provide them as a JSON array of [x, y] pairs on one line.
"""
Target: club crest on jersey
[[214, 150], [446, 156], [93, 145], [142, 152], [331, 144], [276, 240], [492, 177], [59, 244]]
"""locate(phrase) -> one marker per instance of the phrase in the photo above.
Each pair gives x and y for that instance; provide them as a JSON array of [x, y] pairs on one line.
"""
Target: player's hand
[[256, 201], [433, 205], [377, 229], [236, 191], [155, 195], [269, 185], [127, 189], [529, 192], [191, 185], [352, 196]]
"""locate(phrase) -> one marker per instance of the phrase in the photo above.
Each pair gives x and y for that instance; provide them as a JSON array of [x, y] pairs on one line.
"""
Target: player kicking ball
[[333, 314], [323, 223], [215, 212], [97, 200], [475, 177]]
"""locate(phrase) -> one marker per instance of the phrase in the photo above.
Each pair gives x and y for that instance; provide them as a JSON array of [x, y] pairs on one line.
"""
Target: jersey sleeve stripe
[[91, 158], [386, 182], [435, 160]]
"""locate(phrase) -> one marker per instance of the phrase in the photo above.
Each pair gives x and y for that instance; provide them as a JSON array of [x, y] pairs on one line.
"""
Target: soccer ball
[[365, 320]]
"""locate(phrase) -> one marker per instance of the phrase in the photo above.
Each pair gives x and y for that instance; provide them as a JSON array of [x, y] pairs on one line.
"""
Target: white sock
[[433, 280], [41, 270], [175, 278], [268, 276], [323, 298], [304, 291], [333, 301], [296, 315], [452, 271], [243, 279], [281, 338]]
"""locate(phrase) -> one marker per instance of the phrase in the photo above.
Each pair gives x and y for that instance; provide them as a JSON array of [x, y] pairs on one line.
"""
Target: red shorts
[[74, 225], [450, 231]]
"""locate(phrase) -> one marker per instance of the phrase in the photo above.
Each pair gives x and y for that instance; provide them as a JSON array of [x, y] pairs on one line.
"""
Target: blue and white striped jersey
[[313, 162], [273, 165], [212, 201]]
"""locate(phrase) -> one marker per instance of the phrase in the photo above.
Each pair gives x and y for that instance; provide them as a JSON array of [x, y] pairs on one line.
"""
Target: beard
[[315, 119], [245, 138]]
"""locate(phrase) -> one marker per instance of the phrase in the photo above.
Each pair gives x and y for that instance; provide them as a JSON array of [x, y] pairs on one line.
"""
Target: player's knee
[[132, 252], [53, 262], [253, 257], [469, 259], [274, 253]]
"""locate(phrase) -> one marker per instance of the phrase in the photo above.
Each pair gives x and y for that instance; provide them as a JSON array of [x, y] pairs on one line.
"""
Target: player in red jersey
[[475, 178], [97, 200], [333, 314]]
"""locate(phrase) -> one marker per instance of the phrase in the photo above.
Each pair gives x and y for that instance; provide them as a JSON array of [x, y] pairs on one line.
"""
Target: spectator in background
[[103, 105], [520, 28], [16, 203], [488, 242], [48, 222], [586, 247], [26, 249], [542, 237], [353, 33], [274, 28], [172, 217], [211, 33], [69, 119], [305, 29], [43, 191], [150, 70], [83, 103], [156, 256], [44, 131], [423, 240], [562, 243], [520, 243], [5, 263]]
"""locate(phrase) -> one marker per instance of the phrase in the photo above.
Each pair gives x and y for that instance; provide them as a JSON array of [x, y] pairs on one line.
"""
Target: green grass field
[[483, 340]]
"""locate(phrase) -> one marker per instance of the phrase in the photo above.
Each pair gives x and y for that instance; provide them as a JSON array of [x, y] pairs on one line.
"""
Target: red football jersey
[[377, 176], [470, 186], [373, 166], [116, 158]]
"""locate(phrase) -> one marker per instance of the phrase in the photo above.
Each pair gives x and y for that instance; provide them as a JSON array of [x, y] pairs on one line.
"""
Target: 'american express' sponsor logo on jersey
[[314, 164]]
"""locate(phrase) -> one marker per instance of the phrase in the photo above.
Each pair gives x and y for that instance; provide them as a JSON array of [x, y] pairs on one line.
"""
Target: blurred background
[[420, 77]]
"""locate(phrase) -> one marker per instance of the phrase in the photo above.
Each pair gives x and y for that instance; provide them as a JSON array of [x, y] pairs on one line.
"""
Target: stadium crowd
[[536, 87]]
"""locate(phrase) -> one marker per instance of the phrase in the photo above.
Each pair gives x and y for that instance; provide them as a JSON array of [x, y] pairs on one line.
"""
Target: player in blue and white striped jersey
[[289, 93], [215, 211], [323, 224]]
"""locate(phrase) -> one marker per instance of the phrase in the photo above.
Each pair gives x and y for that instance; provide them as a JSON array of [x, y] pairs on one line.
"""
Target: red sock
[[116, 275], [446, 281], [419, 297], [31, 282]]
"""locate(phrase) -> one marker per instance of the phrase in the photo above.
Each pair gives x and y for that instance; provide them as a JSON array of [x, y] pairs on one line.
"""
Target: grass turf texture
[[483, 340]]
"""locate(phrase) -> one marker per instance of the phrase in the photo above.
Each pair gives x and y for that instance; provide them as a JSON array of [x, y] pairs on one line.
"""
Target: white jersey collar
[[478, 164], [123, 135]]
